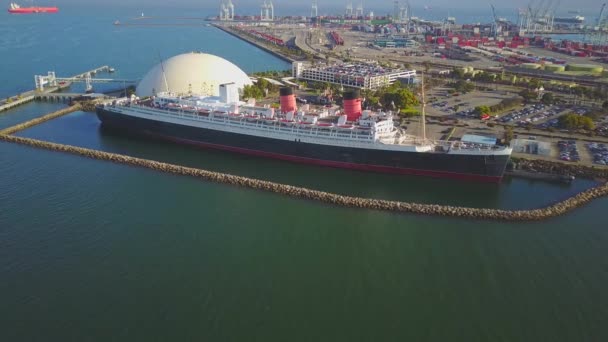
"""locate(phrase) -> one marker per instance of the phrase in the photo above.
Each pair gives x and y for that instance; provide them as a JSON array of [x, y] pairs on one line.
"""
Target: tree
[[574, 121], [528, 95], [548, 99], [458, 73], [605, 105], [480, 110], [427, 66], [535, 83], [462, 86], [508, 134], [397, 99], [587, 123], [252, 92]]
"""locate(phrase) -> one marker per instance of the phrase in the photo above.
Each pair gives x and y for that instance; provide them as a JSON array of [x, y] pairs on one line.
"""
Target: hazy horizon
[[286, 7]]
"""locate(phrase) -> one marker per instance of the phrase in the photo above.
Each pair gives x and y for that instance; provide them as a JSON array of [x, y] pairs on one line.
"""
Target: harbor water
[[95, 251]]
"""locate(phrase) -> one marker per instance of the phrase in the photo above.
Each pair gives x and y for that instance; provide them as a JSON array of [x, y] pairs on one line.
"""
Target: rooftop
[[358, 69]]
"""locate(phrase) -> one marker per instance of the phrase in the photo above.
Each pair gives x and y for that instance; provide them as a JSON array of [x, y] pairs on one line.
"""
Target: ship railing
[[259, 125]]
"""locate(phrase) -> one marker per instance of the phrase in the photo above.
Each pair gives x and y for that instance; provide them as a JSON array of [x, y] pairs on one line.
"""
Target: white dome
[[194, 72]]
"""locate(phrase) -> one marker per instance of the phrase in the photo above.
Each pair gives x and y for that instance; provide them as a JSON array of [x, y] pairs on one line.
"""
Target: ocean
[[95, 251]]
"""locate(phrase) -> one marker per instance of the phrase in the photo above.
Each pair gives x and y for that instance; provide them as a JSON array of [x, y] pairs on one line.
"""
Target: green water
[[94, 251]]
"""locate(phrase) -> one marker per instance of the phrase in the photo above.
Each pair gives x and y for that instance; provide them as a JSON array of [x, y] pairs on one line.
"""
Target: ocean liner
[[353, 138]]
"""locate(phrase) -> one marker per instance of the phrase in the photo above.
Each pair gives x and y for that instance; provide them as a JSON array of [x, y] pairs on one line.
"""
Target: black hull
[[466, 167]]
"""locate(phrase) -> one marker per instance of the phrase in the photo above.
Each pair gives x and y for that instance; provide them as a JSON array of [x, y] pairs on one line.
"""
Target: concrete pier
[[59, 97], [8, 104], [49, 93]]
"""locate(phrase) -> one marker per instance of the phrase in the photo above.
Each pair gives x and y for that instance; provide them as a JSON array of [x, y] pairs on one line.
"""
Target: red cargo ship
[[14, 8]]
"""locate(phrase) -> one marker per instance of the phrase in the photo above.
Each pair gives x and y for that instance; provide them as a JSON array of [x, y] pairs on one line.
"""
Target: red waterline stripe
[[336, 164]]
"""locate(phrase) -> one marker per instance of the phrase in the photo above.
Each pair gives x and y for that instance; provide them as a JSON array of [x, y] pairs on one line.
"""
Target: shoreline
[[254, 43]]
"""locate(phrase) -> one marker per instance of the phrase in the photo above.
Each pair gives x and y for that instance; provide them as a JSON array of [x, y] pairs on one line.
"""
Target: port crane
[[314, 10], [599, 33], [495, 24], [600, 17], [537, 17]]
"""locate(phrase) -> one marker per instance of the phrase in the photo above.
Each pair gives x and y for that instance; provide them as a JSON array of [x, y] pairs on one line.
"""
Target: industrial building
[[530, 146], [357, 75], [396, 42]]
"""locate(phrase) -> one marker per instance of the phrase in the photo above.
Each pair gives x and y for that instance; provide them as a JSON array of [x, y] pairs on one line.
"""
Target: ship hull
[[29, 10], [456, 166]]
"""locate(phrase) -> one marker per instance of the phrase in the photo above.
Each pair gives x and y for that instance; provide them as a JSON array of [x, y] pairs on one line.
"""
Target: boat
[[358, 139], [575, 20], [17, 9], [111, 70]]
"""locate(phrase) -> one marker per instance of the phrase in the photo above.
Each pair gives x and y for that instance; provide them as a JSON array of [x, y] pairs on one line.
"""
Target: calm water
[[94, 251]]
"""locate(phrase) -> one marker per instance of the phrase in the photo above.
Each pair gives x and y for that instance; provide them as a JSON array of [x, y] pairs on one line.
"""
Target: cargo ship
[[353, 139], [574, 20], [16, 9]]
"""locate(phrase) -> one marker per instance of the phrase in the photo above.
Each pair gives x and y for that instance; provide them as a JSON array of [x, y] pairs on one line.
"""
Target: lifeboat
[[349, 127], [324, 124]]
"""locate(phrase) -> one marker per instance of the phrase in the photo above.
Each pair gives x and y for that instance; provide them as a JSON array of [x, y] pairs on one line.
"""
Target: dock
[[28, 96], [50, 91], [103, 68], [65, 97]]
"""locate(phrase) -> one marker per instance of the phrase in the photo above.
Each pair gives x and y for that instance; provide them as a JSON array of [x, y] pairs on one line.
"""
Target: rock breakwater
[[576, 170], [553, 210], [37, 121]]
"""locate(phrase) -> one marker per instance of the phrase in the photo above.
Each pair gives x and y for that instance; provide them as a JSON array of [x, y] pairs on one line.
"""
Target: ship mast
[[423, 118], [164, 75]]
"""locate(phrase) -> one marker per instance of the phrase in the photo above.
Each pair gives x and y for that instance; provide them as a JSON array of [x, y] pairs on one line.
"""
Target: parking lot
[[462, 106], [542, 116], [568, 150], [599, 153]]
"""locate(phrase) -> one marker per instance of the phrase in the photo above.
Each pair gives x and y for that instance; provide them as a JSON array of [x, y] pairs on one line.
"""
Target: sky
[[302, 7]]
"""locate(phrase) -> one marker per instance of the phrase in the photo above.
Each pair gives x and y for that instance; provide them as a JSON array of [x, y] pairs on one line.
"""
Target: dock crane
[[495, 24], [600, 17]]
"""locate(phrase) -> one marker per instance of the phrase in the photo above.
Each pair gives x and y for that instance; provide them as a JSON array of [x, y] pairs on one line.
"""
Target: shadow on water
[[84, 129]]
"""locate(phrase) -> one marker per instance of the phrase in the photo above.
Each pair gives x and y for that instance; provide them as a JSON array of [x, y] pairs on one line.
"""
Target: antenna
[[164, 75], [423, 118]]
